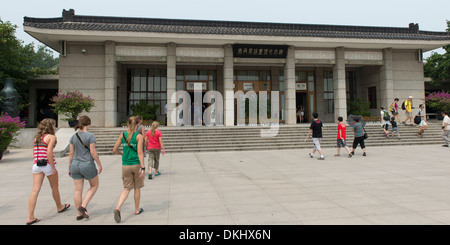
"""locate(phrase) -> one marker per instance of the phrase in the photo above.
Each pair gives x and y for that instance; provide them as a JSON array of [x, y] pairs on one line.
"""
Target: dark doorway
[[43, 101], [301, 107], [197, 110]]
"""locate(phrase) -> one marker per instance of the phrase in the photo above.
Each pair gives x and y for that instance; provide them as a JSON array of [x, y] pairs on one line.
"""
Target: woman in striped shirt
[[44, 165]]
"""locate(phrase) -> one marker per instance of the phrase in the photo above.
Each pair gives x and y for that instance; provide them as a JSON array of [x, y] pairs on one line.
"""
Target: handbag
[[365, 134]]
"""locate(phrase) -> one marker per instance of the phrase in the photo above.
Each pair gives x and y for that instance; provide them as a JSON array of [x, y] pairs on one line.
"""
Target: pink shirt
[[153, 141]]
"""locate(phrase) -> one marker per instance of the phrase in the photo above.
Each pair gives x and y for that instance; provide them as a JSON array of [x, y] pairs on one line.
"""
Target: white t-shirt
[[446, 120]]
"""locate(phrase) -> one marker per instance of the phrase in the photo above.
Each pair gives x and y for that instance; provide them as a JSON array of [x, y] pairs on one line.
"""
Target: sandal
[[337, 155], [80, 217], [33, 222], [140, 211], [83, 212], [117, 215], [66, 206]]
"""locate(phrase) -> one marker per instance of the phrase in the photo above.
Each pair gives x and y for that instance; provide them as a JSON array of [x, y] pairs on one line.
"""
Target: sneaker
[[445, 146], [364, 154], [321, 158], [311, 155], [150, 176], [350, 155], [159, 173]]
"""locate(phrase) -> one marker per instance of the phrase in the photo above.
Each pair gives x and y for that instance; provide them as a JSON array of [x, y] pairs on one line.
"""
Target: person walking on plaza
[[81, 165], [385, 121], [154, 144], [394, 109], [316, 129], [341, 136], [44, 166], [133, 167], [445, 129], [394, 127], [423, 122], [359, 137], [408, 110]]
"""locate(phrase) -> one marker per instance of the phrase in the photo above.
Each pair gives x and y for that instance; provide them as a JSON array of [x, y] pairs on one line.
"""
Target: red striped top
[[40, 150]]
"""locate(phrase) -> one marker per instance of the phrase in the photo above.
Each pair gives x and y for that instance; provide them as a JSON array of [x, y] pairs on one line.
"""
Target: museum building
[[120, 61]]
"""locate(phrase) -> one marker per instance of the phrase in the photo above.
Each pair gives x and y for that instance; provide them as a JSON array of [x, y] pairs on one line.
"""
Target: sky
[[430, 15]]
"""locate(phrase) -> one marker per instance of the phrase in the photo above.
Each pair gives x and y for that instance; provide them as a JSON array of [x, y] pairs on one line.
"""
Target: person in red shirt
[[341, 136], [154, 142]]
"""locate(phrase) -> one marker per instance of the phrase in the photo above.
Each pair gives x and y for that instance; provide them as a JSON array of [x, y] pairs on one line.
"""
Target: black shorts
[[360, 141]]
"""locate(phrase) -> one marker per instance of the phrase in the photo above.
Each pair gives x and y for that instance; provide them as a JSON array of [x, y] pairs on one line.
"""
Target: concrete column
[[228, 88], [340, 94], [386, 80], [110, 85], [171, 80], [289, 87]]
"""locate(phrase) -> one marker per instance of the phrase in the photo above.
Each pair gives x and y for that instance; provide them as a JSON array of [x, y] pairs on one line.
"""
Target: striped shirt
[[40, 150]]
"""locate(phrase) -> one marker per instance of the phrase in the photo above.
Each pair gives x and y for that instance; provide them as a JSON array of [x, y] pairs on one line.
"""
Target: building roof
[[71, 22]]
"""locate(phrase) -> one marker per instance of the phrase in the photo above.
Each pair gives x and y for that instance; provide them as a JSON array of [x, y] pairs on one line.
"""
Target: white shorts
[[47, 169], [422, 123]]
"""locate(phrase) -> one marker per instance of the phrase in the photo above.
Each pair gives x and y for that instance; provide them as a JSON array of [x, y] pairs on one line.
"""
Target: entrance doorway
[[301, 104], [43, 101]]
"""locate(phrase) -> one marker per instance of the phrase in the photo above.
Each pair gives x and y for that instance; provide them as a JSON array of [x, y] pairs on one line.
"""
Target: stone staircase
[[245, 138]]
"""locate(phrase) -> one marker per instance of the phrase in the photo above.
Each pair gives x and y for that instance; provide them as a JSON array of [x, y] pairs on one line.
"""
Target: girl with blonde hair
[[154, 144], [44, 166], [82, 166], [133, 167]]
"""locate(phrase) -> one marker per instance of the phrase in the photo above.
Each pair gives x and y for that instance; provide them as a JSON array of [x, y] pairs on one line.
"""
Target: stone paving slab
[[392, 185]]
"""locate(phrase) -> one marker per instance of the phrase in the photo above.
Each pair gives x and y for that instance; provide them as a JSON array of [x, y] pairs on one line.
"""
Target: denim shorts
[[83, 170]]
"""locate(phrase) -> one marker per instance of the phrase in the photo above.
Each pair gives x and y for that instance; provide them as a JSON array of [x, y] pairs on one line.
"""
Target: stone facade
[[99, 53]]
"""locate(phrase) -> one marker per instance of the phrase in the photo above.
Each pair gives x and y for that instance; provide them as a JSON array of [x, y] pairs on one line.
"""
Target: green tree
[[437, 66], [15, 57]]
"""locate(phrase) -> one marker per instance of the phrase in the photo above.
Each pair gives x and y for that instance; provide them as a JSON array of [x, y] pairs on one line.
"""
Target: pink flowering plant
[[439, 101], [8, 128], [71, 104]]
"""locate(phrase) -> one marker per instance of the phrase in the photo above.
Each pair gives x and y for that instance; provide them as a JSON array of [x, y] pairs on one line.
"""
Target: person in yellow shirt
[[408, 111]]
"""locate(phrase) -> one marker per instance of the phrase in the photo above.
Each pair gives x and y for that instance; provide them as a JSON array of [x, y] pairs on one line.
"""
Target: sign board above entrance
[[259, 51]]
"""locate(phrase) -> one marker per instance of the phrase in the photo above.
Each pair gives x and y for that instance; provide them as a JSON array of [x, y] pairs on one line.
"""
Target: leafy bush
[[8, 128], [147, 111], [440, 101], [71, 104], [358, 107]]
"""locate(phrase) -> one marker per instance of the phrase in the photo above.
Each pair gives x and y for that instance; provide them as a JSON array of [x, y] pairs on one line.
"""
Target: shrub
[[71, 104], [8, 128]]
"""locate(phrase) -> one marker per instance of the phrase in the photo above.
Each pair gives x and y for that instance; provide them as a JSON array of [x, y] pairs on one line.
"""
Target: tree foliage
[[437, 66]]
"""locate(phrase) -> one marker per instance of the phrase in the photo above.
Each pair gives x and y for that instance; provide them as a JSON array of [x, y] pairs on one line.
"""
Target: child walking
[[341, 136], [394, 127], [316, 129]]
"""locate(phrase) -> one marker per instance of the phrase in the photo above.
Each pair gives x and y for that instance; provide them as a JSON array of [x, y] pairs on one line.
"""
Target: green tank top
[[130, 156]]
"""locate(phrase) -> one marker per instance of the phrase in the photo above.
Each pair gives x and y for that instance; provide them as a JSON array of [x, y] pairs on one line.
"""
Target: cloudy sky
[[430, 15]]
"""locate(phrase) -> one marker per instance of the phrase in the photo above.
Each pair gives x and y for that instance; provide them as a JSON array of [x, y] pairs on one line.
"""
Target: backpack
[[386, 116], [403, 105]]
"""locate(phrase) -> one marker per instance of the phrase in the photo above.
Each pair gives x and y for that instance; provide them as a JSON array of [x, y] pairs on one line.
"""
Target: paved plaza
[[392, 185]]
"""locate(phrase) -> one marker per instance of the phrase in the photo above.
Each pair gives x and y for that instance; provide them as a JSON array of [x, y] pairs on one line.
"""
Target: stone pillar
[[110, 85], [386, 80], [171, 80], [289, 87], [228, 88], [340, 94]]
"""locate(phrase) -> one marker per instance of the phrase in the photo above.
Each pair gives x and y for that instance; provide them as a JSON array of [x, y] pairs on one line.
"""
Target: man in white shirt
[[446, 129]]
